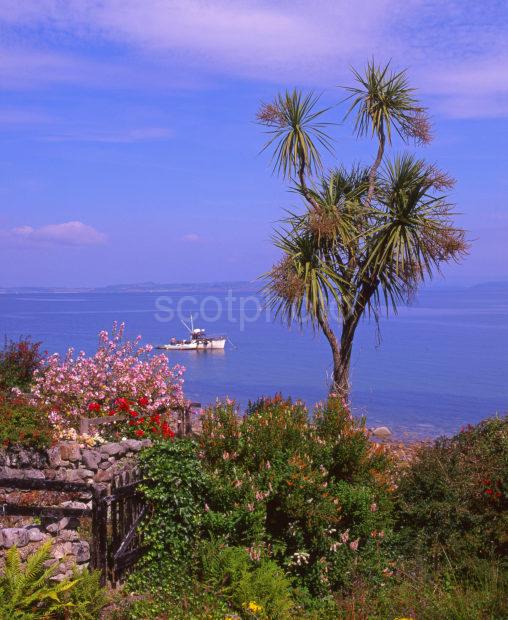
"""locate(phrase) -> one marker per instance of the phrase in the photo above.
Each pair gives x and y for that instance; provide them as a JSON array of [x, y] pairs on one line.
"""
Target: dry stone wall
[[67, 461]]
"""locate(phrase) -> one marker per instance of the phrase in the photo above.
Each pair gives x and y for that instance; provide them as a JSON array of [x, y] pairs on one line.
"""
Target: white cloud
[[191, 238], [68, 233], [457, 49]]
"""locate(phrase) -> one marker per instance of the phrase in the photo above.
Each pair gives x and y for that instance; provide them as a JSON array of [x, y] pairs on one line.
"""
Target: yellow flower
[[253, 607], [403, 619]]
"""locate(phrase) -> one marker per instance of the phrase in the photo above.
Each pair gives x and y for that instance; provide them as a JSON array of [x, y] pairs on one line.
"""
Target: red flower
[[141, 420], [123, 404], [166, 431], [498, 494], [133, 413], [139, 433], [132, 423], [489, 491], [94, 407], [143, 401], [112, 412], [486, 482]]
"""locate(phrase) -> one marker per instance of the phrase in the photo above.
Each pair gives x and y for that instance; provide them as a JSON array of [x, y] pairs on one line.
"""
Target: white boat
[[198, 341]]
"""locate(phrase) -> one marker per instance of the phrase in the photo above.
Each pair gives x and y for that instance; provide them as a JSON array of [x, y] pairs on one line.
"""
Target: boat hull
[[196, 345]]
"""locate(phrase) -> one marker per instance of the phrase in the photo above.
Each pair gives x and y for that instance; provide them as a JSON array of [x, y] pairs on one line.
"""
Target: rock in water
[[382, 431]]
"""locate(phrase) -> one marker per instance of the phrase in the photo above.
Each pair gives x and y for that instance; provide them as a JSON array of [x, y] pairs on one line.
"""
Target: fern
[[28, 592]]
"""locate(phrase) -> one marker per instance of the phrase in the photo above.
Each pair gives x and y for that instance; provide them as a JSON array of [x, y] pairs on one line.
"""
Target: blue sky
[[128, 145]]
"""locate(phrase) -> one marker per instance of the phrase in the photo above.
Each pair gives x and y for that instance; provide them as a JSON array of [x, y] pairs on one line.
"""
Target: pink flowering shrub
[[118, 369]]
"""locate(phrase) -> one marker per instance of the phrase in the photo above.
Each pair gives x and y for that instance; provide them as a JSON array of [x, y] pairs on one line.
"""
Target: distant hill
[[182, 287], [143, 287], [491, 286]]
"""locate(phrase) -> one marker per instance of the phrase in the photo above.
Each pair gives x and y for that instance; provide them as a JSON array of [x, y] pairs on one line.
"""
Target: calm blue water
[[442, 363]]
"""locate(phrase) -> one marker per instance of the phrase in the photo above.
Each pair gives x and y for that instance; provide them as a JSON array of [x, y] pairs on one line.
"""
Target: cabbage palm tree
[[368, 236]]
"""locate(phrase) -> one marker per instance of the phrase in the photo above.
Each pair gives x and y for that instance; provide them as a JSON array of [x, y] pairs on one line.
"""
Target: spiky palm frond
[[414, 233], [296, 129], [301, 284], [383, 102]]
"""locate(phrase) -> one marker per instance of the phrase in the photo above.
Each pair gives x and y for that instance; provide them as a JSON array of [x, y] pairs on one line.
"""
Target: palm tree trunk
[[342, 372], [375, 167], [334, 346]]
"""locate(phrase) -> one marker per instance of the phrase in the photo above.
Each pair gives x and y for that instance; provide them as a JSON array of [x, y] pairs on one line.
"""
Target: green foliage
[[364, 239], [454, 498], [384, 101], [305, 492], [28, 592], [18, 361], [87, 598], [275, 515], [231, 572], [415, 591], [176, 490], [22, 423], [296, 130]]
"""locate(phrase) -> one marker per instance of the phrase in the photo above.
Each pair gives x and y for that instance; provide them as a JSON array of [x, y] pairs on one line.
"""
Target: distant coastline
[[141, 287], [203, 287]]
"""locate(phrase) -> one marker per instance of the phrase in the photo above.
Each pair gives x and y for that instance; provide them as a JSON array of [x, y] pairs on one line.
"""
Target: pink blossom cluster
[[119, 368]]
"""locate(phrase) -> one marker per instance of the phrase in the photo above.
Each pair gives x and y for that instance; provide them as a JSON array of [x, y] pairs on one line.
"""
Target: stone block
[[15, 536], [110, 449], [103, 475], [69, 451], [67, 536], [35, 535], [54, 528], [81, 550], [91, 459]]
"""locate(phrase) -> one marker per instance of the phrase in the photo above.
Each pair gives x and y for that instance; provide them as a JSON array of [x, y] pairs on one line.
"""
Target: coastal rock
[[383, 432]]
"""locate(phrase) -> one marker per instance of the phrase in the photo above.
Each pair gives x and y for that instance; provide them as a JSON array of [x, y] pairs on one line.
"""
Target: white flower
[[299, 558]]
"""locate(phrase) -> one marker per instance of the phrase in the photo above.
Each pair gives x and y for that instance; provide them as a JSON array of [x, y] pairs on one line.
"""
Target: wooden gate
[[127, 509]]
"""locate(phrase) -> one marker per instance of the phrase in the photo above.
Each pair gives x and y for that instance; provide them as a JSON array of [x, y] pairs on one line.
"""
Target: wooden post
[[84, 426], [99, 551]]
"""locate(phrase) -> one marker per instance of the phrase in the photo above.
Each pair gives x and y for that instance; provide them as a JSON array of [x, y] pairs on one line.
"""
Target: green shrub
[[258, 588], [422, 593], [454, 498], [22, 423], [175, 489], [18, 361], [310, 491], [276, 515]]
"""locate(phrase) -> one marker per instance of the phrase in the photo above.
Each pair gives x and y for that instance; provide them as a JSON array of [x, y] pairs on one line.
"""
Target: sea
[[439, 364]]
